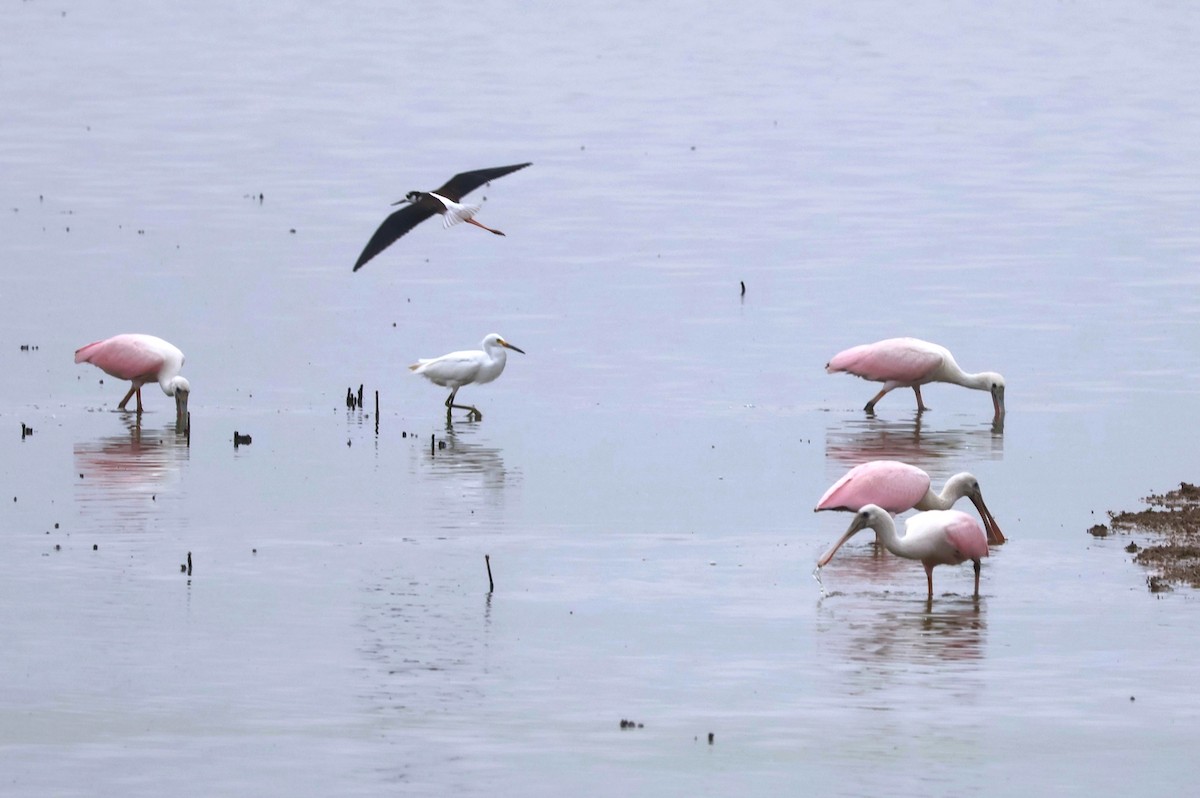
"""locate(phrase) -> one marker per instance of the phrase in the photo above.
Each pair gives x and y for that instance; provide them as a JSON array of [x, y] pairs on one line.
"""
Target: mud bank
[[1172, 522]]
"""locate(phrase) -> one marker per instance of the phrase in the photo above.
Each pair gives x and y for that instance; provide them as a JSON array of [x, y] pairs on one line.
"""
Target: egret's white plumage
[[470, 366], [935, 537]]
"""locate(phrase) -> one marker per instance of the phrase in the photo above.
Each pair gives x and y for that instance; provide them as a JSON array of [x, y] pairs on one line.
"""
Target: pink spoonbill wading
[[472, 366], [897, 487], [140, 359], [911, 363], [935, 537]]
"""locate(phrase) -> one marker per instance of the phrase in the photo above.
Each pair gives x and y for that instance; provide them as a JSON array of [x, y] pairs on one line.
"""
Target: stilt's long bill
[[421, 205]]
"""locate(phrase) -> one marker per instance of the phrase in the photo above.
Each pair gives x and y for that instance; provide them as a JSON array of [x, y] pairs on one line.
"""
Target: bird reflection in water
[[901, 631], [855, 440], [124, 474], [462, 457]]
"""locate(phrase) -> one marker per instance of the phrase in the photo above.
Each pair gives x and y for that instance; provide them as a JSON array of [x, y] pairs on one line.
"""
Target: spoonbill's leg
[[128, 396], [929, 577], [921, 408], [976, 578], [870, 408]]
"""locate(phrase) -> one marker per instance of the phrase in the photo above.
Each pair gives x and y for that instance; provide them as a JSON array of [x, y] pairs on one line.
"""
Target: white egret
[[471, 366]]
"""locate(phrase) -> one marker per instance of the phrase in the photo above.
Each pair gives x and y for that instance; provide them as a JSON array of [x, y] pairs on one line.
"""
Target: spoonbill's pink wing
[[900, 360], [893, 485], [966, 535], [127, 357]]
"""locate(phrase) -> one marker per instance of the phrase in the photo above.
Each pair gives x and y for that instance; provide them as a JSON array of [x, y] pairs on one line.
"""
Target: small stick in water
[[487, 560], [189, 571], [376, 412], [360, 403], [432, 444]]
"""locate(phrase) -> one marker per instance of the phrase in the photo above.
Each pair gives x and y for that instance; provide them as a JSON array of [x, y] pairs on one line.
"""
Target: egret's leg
[[128, 396], [472, 412]]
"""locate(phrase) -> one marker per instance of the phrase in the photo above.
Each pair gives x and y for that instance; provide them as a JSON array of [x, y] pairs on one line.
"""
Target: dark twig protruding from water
[[377, 412], [349, 399], [743, 282], [25, 430], [432, 444], [360, 391], [186, 567], [240, 439], [710, 738], [487, 560]]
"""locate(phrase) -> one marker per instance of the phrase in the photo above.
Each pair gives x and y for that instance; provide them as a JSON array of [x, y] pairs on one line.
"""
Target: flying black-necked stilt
[[423, 204]]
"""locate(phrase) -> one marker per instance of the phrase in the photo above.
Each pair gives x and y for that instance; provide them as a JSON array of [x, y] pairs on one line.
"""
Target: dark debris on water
[[1172, 521]]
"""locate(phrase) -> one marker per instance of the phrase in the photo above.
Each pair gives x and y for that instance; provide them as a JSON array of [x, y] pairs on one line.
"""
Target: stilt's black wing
[[410, 216], [392, 228], [463, 184]]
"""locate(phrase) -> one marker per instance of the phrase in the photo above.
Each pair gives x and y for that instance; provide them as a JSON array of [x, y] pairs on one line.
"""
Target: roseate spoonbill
[[470, 366], [421, 205], [140, 359], [897, 487], [935, 537], [911, 363]]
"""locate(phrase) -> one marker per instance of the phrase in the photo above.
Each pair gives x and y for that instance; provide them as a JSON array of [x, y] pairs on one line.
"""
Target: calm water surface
[[1019, 184]]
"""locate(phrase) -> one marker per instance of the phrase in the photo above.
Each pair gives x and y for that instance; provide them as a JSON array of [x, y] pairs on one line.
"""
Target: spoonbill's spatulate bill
[[421, 205], [471, 366], [936, 537], [911, 363], [897, 487], [140, 359]]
